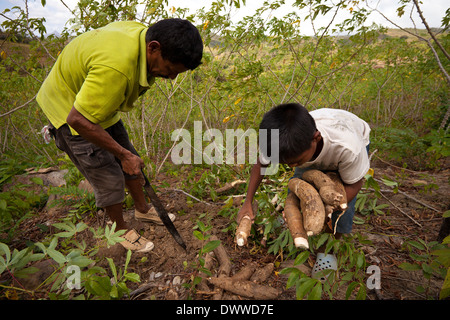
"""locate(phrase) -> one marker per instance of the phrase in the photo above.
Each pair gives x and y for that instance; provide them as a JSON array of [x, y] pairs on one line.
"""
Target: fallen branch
[[191, 196], [230, 185], [401, 211]]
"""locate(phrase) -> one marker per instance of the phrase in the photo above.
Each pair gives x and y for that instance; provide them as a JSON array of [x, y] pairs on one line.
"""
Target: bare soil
[[167, 272]]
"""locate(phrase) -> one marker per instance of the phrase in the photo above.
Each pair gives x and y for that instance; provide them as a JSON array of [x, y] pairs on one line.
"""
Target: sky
[[57, 14]]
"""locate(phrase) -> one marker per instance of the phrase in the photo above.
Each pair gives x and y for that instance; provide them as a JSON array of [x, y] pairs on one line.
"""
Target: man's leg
[[135, 188], [114, 212]]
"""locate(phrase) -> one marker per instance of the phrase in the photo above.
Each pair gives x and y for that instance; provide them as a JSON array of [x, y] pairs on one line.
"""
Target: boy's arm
[[351, 190], [255, 180]]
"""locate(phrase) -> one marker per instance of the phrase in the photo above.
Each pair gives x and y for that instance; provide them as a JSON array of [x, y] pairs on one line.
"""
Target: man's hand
[[131, 163]]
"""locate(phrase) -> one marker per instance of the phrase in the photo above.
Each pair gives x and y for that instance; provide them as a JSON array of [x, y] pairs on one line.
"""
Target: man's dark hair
[[296, 130], [180, 41]]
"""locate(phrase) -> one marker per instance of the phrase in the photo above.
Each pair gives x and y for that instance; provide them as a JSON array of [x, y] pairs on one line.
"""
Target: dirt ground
[[167, 271]]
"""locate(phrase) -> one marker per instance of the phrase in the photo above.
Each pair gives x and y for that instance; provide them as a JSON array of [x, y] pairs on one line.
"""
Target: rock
[[34, 280], [86, 186], [176, 281], [171, 295], [115, 252]]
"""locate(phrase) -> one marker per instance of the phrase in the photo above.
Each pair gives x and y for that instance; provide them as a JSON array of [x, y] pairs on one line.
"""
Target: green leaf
[[198, 235], [37, 181], [416, 244], [132, 277], [301, 258], [5, 249], [293, 277], [427, 269], [210, 246], [56, 255], [445, 290], [409, 267], [25, 272], [112, 266], [304, 287], [316, 292], [361, 295], [114, 293], [350, 289]]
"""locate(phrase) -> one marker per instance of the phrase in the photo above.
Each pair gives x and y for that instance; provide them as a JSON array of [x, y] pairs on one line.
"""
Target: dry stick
[[425, 40], [429, 30], [191, 196], [199, 104], [173, 145], [19, 107], [401, 211], [410, 197]]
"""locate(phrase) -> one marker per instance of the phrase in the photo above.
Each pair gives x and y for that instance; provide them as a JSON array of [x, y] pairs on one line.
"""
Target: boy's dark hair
[[296, 130], [180, 41]]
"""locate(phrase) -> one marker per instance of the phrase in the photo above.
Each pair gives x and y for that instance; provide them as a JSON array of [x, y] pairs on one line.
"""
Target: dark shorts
[[100, 167]]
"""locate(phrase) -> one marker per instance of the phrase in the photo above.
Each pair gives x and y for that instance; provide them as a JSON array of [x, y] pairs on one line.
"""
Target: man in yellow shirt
[[99, 74]]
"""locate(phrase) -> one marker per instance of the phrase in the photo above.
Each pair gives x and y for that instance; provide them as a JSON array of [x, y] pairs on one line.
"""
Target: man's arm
[[94, 133], [255, 180]]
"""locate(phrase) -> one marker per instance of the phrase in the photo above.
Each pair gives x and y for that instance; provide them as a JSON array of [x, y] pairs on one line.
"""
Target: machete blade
[[162, 213]]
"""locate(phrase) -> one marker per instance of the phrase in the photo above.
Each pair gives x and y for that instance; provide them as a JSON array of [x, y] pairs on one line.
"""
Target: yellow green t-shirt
[[100, 73]]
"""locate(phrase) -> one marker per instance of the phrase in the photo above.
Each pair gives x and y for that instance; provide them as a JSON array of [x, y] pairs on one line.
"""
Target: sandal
[[135, 242], [151, 216], [323, 262]]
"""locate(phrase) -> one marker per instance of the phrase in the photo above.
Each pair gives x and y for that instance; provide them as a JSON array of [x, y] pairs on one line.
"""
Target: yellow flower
[[3, 55], [237, 101], [226, 119], [206, 25]]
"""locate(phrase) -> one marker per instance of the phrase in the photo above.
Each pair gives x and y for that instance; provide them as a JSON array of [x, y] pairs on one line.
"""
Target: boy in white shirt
[[323, 139]]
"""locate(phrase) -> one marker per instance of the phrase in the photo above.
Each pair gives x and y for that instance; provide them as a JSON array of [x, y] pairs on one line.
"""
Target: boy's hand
[[246, 210]]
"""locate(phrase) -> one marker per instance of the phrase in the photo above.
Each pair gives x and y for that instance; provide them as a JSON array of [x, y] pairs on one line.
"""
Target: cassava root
[[294, 220], [326, 187], [311, 205], [246, 288], [245, 226], [339, 188]]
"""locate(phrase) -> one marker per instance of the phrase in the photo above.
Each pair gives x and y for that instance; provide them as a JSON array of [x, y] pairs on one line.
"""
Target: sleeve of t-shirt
[[101, 94], [354, 167]]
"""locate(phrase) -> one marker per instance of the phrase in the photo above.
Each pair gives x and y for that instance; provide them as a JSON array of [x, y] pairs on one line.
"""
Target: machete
[[162, 213]]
